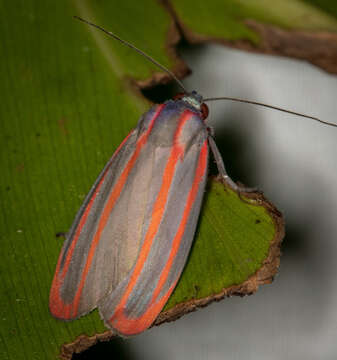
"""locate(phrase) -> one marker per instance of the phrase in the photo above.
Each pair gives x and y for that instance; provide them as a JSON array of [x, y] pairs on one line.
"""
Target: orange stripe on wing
[[114, 195], [86, 213], [57, 307], [132, 326], [158, 209], [118, 320], [200, 172]]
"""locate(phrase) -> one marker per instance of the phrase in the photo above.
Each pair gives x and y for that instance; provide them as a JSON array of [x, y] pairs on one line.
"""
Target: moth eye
[[178, 96], [204, 111]]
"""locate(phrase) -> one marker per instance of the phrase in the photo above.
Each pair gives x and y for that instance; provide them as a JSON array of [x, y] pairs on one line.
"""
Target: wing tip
[[126, 327]]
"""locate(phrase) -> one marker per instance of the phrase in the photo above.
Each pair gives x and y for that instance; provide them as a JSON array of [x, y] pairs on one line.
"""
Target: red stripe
[[158, 208], [114, 195], [200, 172], [118, 320], [56, 305], [86, 213]]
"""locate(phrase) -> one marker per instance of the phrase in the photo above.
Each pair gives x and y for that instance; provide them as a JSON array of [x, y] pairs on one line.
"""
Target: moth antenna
[[271, 107], [151, 59]]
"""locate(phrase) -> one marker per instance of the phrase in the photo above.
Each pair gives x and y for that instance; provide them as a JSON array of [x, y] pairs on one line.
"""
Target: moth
[[129, 242]]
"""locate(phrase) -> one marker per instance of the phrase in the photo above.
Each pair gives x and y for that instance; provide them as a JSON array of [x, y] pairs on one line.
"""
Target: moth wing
[[170, 218], [101, 247], [89, 265]]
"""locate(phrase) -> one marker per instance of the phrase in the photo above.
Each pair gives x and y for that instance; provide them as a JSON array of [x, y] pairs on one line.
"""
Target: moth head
[[195, 100]]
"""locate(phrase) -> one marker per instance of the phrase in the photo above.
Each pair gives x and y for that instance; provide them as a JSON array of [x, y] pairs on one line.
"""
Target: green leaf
[[229, 23], [235, 239], [68, 99]]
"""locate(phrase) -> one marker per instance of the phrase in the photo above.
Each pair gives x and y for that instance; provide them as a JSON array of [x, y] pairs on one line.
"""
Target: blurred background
[[293, 160]]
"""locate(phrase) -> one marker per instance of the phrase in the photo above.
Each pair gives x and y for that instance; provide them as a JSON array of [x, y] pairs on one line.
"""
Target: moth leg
[[222, 170], [210, 130]]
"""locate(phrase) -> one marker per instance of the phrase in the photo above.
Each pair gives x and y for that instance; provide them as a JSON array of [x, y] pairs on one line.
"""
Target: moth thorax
[[194, 99]]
